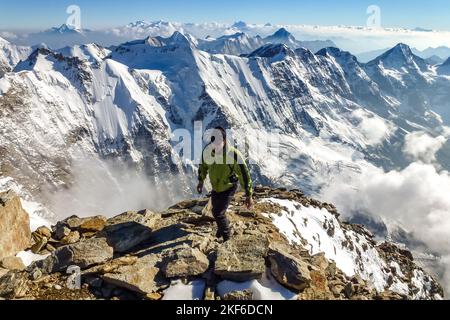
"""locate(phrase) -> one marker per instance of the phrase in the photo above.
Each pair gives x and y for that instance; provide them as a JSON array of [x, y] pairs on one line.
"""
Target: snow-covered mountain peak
[[180, 38], [177, 39], [273, 51], [235, 44], [282, 36], [47, 61], [283, 33], [399, 57], [331, 51], [65, 29], [32, 61], [401, 50], [93, 53], [305, 54], [240, 25], [236, 36], [344, 57], [10, 55]]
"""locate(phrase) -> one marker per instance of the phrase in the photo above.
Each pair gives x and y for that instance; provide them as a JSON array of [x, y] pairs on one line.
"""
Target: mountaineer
[[226, 169]]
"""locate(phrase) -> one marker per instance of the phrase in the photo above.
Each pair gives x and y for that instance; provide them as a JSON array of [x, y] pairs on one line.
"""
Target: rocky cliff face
[[288, 246]]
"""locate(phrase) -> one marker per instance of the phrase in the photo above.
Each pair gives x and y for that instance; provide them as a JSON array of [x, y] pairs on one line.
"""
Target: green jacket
[[221, 174]]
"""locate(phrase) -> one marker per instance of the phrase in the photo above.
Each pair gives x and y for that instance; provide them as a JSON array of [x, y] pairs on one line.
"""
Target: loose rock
[[242, 258], [12, 263], [94, 224], [289, 270], [44, 232], [83, 254], [143, 277], [129, 229], [186, 262]]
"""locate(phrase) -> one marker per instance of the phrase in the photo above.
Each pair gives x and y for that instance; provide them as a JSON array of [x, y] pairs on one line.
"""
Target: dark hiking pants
[[220, 202]]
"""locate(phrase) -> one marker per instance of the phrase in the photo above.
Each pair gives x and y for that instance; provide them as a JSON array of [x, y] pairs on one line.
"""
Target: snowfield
[[319, 231]]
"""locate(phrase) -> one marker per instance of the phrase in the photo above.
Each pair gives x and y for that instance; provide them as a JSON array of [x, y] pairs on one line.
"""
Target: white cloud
[[417, 198], [8, 35], [373, 128], [111, 187], [420, 146]]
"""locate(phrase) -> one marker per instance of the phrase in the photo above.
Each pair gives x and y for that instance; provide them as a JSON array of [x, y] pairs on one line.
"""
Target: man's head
[[219, 137]]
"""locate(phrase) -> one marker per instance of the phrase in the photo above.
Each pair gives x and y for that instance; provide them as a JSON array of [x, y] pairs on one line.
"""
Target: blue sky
[[42, 14]]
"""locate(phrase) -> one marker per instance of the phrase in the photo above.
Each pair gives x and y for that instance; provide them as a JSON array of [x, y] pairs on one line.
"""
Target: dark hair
[[224, 134]]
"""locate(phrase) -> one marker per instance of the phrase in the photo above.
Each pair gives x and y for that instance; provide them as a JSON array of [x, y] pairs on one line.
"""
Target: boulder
[[12, 263], [242, 258], [94, 224], [289, 271], [82, 225], [83, 254], [72, 222], [44, 232], [15, 233], [143, 276], [129, 229], [185, 262]]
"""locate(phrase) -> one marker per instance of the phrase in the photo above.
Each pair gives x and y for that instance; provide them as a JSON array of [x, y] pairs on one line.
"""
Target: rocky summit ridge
[[280, 250]]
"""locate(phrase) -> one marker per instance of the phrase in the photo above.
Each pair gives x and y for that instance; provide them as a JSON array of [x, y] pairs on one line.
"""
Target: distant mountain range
[[235, 43], [241, 43], [434, 55]]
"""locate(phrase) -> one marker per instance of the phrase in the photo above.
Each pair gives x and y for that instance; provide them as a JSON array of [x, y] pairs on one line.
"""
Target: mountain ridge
[[273, 254]]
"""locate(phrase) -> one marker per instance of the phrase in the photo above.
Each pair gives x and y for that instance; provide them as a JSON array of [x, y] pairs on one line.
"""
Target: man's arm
[[202, 174], [244, 175]]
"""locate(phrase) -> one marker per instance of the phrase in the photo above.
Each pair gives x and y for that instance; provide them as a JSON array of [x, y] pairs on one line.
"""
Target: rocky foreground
[[275, 252]]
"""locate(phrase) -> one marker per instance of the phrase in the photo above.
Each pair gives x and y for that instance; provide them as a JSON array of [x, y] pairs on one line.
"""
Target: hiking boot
[[224, 236], [219, 234]]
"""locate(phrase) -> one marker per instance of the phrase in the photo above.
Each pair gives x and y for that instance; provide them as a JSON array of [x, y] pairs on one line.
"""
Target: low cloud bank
[[111, 187], [416, 197]]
